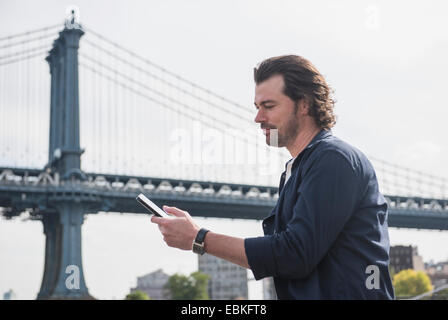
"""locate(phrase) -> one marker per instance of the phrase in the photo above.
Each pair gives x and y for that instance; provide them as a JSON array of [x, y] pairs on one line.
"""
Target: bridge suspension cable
[[30, 56], [400, 180], [165, 100], [152, 64], [214, 119], [115, 72], [148, 73], [27, 33], [123, 85], [24, 86], [197, 117], [203, 98], [40, 38], [18, 53], [15, 44]]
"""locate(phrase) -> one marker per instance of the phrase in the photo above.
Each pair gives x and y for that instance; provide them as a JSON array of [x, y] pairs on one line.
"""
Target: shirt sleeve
[[327, 198]]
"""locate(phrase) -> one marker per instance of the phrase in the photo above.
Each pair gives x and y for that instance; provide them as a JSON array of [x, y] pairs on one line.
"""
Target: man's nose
[[260, 117]]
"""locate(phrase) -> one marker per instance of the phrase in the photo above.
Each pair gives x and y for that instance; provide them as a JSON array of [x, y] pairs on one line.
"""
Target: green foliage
[[201, 284], [193, 287], [411, 283], [137, 295]]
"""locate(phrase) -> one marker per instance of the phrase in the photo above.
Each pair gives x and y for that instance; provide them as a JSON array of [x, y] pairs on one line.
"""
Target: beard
[[284, 136]]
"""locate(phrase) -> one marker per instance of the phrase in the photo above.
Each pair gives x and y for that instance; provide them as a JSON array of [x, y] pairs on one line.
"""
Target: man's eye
[[269, 107]]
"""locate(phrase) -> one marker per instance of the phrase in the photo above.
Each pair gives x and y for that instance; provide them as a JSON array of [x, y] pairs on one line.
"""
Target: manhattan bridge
[[143, 129]]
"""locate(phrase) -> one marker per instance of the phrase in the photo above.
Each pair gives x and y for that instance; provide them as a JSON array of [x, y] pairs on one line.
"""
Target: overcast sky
[[385, 60]]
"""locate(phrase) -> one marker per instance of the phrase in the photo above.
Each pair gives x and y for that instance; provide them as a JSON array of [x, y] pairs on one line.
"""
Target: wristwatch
[[198, 243]]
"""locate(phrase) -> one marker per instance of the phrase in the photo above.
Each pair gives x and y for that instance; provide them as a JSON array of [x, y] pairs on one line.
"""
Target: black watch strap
[[198, 244]]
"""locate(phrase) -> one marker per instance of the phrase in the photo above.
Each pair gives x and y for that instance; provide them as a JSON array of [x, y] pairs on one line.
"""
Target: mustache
[[267, 126]]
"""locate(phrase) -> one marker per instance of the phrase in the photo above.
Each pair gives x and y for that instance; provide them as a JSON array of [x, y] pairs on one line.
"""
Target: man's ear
[[304, 107]]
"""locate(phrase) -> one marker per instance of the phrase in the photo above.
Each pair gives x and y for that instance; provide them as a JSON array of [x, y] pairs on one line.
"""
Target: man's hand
[[178, 231]]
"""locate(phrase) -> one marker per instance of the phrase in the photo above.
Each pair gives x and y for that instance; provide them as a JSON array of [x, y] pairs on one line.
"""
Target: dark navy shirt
[[327, 237]]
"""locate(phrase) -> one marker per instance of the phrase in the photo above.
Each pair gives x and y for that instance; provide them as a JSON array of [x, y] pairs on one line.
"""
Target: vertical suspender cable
[[179, 172], [163, 170], [19, 123], [109, 121], [114, 137], [132, 131], [95, 124], [100, 124], [121, 133], [27, 109]]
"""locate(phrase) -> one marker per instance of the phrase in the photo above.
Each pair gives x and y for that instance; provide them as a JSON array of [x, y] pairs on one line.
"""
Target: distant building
[[153, 285], [405, 257], [269, 292], [9, 295], [438, 272], [227, 281]]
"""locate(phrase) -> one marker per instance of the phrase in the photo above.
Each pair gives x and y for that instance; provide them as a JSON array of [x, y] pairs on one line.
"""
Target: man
[[327, 237]]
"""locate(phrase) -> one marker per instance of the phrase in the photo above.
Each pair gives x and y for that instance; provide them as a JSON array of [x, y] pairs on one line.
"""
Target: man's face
[[276, 111]]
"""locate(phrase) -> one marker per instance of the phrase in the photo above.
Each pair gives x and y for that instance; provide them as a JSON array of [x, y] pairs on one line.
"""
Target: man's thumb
[[174, 211]]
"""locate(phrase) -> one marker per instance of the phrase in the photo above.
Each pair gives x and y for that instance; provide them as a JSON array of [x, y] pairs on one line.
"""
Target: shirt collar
[[319, 137], [323, 134]]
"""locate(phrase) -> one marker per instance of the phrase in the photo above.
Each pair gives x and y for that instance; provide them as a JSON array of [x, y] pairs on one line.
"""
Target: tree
[[201, 284], [137, 295], [192, 287], [411, 283]]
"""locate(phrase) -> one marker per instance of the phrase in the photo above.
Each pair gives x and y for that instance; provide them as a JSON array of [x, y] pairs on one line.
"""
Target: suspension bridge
[[146, 129]]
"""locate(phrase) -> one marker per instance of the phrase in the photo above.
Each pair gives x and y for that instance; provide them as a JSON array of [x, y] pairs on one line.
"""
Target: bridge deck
[[22, 189]]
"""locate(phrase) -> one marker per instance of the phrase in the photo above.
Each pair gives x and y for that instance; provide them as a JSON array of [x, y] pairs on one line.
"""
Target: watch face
[[199, 249]]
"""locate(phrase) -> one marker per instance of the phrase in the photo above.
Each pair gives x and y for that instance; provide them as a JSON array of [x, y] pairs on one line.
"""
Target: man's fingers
[[160, 223], [155, 219], [174, 211]]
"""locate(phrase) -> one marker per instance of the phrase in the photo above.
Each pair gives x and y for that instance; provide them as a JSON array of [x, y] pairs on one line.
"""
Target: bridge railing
[[176, 187]]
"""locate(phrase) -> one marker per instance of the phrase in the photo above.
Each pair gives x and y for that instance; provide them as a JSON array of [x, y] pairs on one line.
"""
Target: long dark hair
[[302, 81]]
